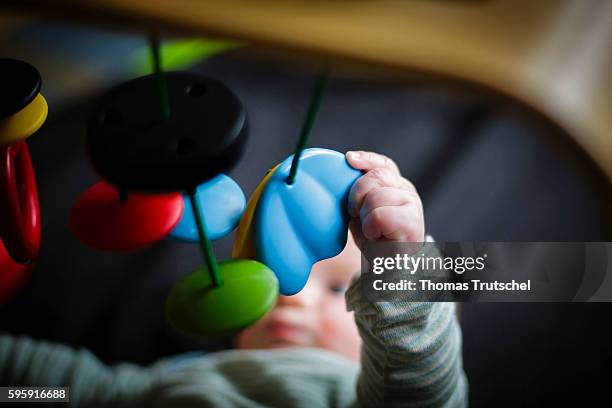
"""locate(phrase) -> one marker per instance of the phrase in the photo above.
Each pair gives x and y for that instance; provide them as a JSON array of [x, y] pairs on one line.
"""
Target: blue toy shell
[[297, 225], [222, 202]]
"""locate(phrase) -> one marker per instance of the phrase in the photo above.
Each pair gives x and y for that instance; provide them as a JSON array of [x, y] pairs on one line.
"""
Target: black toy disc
[[20, 83], [134, 148]]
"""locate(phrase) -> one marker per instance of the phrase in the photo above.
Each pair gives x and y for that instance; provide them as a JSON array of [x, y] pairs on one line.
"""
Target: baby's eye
[[338, 289]]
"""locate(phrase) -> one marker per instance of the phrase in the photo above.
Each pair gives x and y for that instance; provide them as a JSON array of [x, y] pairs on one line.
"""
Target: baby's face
[[315, 317]]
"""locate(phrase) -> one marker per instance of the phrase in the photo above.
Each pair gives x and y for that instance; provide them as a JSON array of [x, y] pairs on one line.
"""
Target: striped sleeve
[[29, 363], [411, 354]]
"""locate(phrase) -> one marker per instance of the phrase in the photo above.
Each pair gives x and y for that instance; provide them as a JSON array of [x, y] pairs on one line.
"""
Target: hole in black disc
[[196, 89], [185, 146], [111, 117]]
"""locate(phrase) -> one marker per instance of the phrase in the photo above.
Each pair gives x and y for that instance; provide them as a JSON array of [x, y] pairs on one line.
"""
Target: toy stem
[[207, 250], [161, 79], [311, 115]]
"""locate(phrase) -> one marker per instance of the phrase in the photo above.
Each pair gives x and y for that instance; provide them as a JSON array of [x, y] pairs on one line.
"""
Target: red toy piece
[[20, 221], [102, 221]]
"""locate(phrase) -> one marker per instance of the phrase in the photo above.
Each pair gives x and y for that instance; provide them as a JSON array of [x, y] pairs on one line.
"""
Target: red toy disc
[[99, 219], [12, 275]]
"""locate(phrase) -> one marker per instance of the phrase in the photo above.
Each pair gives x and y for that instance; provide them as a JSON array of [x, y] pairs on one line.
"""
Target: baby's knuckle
[[390, 163], [377, 194], [409, 184], [413, 197], [367, 156], [379, 173], [377, 216]]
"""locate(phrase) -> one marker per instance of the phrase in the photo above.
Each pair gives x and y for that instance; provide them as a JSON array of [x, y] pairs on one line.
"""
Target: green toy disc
[[195, 306]]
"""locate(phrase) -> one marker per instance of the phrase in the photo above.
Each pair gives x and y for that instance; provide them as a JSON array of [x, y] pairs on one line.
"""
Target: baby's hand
[[384, 205]]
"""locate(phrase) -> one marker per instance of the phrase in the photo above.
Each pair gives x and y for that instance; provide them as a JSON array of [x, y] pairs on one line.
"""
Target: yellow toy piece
[[24, 123], [243, 245]]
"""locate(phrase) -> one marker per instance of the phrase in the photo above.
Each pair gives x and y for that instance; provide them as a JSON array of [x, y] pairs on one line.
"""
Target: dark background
[[486, 172]]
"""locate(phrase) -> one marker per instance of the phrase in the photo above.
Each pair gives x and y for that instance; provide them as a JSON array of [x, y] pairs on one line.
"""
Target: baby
[[306, 351]]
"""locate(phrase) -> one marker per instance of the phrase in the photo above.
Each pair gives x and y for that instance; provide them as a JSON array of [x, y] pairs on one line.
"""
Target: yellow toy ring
[[243, 245], [24, 123]]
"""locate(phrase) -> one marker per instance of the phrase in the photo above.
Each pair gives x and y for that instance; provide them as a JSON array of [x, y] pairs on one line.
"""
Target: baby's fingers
[[393, 223], [384, 197], [367, 161], [375, 178]]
